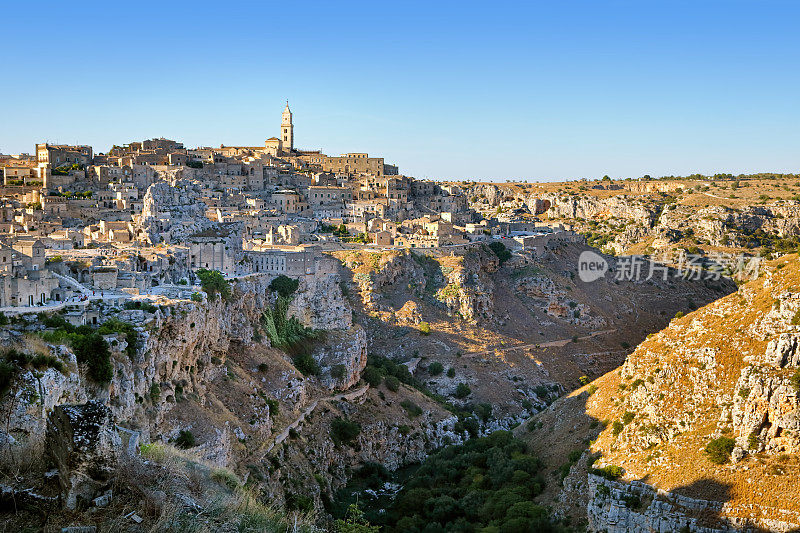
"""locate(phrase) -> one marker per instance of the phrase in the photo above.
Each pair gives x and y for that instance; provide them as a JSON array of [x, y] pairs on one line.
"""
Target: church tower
[[287, 130]]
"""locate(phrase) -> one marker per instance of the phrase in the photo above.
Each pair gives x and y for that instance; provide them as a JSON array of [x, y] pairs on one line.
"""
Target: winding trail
[[347, 395], [557, 343]]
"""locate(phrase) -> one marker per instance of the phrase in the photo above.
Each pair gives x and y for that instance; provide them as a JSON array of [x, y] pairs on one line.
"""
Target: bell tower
[[287, 130]]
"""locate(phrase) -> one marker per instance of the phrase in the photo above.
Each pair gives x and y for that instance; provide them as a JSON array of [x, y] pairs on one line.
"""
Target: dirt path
[[557, 343], [348, 395]]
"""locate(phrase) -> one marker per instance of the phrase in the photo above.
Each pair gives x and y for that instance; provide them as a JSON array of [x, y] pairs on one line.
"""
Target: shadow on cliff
[[702, 502]]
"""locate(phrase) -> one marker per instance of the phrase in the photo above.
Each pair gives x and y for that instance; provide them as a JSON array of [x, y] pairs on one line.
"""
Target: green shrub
[[451, 372], [752, 441], [795, 380], [41, 361], [139, 304], [344, 431], [306, 364], [92, 350], [611, 472], [679, 314], [719, 450], [483, 411], [617, 427], [7, 373], [632, 501], [584, 380], [338, 371], [197, 297], [284, 285], [412, 410], [435, 368], [463, 390], [155, 392], [487, 484], [372, 376], [500, 251], [287, 333], [425, 328], [185, 439], [113, 325], [628, 417], [354, 522], [392, 383], [592, 389], [214, 283]]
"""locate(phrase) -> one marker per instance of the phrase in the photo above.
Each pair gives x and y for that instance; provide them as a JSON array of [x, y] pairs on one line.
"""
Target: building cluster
[[142, 218]]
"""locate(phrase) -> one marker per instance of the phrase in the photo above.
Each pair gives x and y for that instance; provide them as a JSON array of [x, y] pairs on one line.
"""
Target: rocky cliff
[[699, 427]]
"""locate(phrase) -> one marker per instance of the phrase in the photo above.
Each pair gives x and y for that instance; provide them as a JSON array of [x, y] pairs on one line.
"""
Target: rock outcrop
[[83, 443], [634, 507]]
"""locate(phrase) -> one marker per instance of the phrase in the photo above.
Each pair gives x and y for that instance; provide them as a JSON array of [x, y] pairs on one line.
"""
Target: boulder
[[782, 351], [84, 444]]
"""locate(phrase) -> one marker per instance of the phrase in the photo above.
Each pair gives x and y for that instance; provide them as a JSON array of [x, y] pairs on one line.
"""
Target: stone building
[[56, 155], [213, 249], [292, 262]]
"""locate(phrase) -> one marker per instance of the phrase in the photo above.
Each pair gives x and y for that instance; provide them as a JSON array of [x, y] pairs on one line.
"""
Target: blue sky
[[446, 90]]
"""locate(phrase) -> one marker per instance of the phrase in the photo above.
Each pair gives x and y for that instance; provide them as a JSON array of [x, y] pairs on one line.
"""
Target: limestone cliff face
[[766, 409], [461, 285], [706, 411], [633, 507], [312, 464], [319, 304], [646, 216], [623, 207], [182, 349]]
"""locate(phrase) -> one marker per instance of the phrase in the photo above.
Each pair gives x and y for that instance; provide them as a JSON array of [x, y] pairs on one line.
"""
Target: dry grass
[[688, 390]]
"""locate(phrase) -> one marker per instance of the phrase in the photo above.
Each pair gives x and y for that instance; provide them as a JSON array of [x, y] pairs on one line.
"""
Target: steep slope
[[518, 335], [700, 425]]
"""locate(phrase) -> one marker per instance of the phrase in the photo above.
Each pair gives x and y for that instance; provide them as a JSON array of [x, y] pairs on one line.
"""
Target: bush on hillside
[[185, 439], [93, 351], [392, 383], [344, 431], [719, 450], [372, 376], [611, 472], [435, 368], [463, 390]]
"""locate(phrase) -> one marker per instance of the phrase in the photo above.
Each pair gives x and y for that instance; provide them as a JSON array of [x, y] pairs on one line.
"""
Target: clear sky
[[490, 90]]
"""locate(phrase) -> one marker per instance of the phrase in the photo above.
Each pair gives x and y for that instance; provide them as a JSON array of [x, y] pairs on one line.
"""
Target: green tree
[[284, 285], [500, 251], [213, 283], [463, 390], [435, 368], [372, 376], [93, 350], [355, 522], [344, 431]]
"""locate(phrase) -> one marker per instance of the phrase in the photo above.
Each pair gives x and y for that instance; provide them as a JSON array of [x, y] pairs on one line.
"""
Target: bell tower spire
[[287, 130]]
